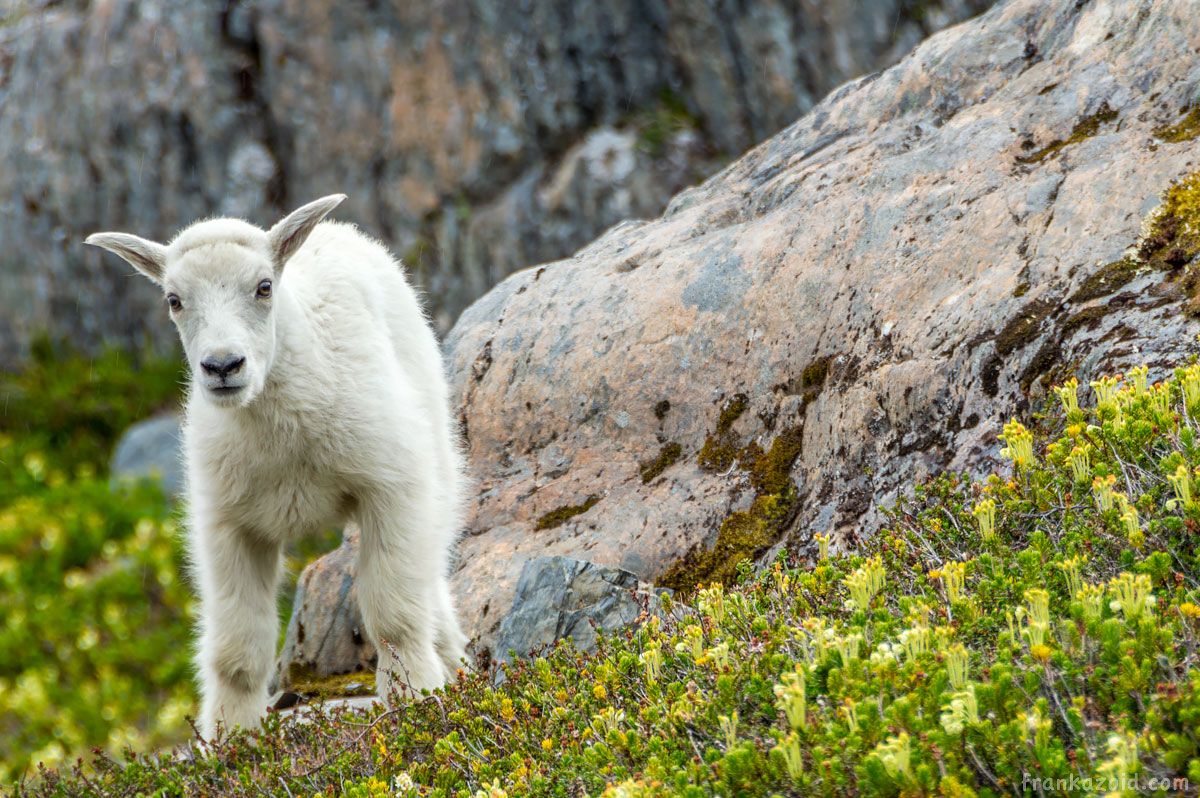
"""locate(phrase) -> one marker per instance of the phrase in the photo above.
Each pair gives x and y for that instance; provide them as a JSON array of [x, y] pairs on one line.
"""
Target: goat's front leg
[[238, 578], [400, 564]]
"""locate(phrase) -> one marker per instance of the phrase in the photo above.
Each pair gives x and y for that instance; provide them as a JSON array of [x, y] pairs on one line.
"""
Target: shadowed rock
[[151, 449], [558, 598]]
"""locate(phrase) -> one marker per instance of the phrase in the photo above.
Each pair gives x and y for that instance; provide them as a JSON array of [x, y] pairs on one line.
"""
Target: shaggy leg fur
[[239, 578], [449, 640], [399, 569]]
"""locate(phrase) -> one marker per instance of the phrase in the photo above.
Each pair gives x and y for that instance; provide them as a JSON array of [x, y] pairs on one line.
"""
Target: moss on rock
[[561, 515], [1186, 130], [721, 448], [1107, 280], [667, 456], [1088, 317], [1084, 129], [1023, 328], [770, 470], [745, 534], [814, 375], [306, 681], [1170, 239]]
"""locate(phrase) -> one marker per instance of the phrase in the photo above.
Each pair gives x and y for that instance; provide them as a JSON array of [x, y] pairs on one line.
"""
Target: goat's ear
[[289, 233], [148, 257]]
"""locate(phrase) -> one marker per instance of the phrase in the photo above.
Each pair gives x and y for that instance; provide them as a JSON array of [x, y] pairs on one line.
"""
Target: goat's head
[[220, 279]]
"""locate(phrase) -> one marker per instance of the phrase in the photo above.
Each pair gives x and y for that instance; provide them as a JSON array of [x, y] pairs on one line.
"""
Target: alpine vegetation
[[317, 397]]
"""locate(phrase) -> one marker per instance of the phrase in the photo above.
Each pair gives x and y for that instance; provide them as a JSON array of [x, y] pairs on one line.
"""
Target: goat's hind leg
[[449, 638], [397, 593]]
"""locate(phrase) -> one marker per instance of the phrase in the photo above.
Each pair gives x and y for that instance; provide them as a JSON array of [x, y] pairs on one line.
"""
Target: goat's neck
[[293, 339]]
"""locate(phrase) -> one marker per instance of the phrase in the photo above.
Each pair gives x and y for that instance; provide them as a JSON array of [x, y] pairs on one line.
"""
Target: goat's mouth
[[225, 394]]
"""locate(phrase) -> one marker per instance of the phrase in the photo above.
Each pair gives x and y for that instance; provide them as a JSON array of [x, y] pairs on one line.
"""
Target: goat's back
[[351, 284]]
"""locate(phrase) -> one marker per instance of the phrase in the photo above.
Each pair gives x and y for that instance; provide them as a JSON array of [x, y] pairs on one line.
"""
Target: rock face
[[151, 449], [558, 598], [861, 300], [475, 138]]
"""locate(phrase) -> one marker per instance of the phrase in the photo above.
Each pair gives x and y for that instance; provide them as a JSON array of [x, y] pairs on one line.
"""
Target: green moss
[[718, 453], [814, 375], [770, 471], [1186, 130], [1171, 239], [721, 448], [1190, 281], [1021, 290], [1023, 328], [666, 457], [1088, 317], [1084, 129], [745, 534], [561, 515], [1107, 280], [657, 126], [732, 411], [306, 681], [1174, 236]]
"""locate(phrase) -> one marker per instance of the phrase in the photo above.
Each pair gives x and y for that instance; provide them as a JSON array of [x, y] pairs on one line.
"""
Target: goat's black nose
[[223, 366]]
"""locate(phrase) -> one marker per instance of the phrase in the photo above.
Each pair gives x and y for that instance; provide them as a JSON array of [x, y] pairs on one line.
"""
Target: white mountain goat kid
[[317, 397]]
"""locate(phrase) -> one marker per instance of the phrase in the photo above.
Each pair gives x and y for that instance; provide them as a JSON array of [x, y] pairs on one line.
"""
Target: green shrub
[[93, 647], [70, 408], [1040, 625], [95, 615]]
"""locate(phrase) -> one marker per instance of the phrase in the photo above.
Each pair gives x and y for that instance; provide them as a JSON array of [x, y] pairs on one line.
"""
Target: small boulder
[[151, 449], [559, 597], [326, 636]]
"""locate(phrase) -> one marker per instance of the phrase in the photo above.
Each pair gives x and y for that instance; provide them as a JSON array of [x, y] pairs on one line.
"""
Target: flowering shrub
[[93, 615], [1031, 629]]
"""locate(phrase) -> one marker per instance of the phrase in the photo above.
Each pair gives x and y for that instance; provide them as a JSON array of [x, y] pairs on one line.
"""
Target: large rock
[[148, 114], [861, 300], [559, 598]]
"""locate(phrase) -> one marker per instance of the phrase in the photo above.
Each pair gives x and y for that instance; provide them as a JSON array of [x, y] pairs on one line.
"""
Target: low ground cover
[[1033, 632]]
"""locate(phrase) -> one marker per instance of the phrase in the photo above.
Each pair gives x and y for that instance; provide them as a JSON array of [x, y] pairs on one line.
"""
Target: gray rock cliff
[[476, 138]]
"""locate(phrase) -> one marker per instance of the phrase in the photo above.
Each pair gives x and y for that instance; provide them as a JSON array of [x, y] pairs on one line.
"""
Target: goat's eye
[[264, 289], [174, 303]]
